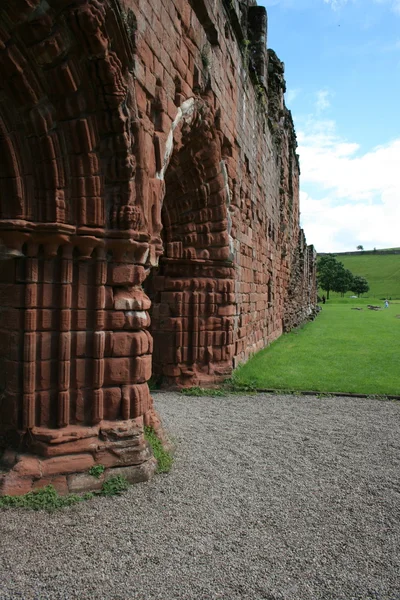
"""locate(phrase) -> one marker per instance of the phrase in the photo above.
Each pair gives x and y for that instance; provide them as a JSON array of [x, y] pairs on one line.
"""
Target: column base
[[184, 376], [63, 457]]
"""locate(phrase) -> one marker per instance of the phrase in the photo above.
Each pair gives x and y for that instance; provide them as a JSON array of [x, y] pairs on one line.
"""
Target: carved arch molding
[[90, 199]]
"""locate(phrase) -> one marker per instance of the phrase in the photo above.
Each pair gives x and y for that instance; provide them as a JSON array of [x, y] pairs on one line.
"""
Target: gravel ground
[[271, 497]]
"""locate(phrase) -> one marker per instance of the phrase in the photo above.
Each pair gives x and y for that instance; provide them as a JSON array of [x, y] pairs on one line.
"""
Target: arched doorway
[[192, 289]]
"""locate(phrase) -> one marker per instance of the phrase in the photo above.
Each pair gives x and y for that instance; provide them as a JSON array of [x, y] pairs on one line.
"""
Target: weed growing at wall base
[[163, 457], [96, 471], [114, 486], [43, 499], [47, 498]]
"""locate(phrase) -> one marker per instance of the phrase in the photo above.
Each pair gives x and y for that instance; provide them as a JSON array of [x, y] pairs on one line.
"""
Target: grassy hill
[[382, 272]]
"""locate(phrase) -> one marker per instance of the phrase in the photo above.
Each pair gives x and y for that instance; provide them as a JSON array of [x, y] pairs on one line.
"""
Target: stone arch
[[67, 95], [12, 181], [193, 288]]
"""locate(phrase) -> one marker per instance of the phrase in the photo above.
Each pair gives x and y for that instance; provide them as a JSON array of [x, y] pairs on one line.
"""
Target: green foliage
[[237, 384], [359, 285], [328, 269], [205, 56], [164, 458], [382, 271], [45, 498], [343, 350], [261, 96], [97, 471], [333, 276], [199, 391], [88, 495], [129, 20], [114, 486], [344, 281], [246, 50], [155, 382]]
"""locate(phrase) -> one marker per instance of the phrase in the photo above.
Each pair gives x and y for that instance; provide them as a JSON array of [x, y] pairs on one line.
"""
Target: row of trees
[[333, 277]]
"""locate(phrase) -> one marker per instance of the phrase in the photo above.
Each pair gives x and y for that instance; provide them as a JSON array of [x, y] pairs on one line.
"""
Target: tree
[[360, 247], [328, 271], [343, 281], [333, 277], [359, 285]]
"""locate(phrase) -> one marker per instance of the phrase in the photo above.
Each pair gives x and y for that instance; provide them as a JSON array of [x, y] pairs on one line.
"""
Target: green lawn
[[343, 350], [382, 271]]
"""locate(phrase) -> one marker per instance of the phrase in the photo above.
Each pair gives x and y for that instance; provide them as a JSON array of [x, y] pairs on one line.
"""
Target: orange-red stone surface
[[149, 206]]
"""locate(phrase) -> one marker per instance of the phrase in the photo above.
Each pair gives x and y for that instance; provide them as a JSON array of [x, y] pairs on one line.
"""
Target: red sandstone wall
[[205, 50], [142, 143]]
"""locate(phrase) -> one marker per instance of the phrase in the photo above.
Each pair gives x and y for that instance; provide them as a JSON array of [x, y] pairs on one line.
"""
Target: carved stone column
[[83, 397], [76, 352]]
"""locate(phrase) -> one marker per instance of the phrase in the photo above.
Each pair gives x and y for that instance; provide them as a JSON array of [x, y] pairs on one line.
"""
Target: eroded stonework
[[149, 206]]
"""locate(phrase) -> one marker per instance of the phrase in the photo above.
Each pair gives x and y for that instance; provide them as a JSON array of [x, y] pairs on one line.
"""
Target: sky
[[342, 69]]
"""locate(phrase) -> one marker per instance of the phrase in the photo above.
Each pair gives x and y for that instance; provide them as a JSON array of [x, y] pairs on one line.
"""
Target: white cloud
[[342, 228], [322, 102], [391, 46], [336, 4], [291, 95], [394, 4], [348, 197]]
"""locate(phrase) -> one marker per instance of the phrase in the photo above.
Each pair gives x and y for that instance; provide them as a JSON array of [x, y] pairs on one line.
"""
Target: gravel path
[[271, 497]]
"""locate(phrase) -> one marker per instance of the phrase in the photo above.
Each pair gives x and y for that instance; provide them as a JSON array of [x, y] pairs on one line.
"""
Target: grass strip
[[343, 350]]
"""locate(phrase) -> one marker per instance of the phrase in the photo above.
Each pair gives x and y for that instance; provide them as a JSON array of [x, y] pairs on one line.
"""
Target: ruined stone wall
[[148, 173], [247, 191]]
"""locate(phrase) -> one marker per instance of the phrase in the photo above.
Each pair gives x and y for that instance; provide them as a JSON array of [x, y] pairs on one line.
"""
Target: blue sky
[[342, 60]]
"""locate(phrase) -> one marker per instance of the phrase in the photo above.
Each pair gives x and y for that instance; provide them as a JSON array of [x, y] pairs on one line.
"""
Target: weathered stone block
[[11, 484], [128, 344], [28, 466], [84, 482], [77, 446], [126, 274], [112, 403], [73, 463], [59, 483], [114, 456], [134, 473], [133, 299]]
